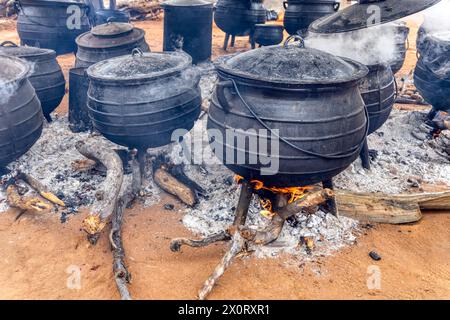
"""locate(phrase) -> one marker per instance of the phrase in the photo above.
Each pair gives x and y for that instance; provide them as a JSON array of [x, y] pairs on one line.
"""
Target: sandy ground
[[39, 254]]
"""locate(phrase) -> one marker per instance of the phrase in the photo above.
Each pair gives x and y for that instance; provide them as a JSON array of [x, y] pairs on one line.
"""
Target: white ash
[[50, 161], [403, 161]]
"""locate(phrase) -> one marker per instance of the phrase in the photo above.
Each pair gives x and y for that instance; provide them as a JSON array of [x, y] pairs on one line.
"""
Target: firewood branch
[[105, 204]]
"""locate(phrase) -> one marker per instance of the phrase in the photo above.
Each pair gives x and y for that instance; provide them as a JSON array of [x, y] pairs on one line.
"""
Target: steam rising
[[437, 18], [7, 87], [370, 46]]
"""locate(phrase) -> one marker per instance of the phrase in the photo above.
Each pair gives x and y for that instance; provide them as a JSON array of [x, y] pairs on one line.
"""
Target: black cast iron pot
[[109, 40], [311, 97], [139, 100], [21, 117], [300, 14], [401, 32], [46, 75], [238, 17], [268, 34], [378, 91], [432, 73], [52, 24]]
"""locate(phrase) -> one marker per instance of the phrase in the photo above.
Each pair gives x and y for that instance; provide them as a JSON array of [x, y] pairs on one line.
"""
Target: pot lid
[[112, 29], [187, 3], [140, 66], [441, 36], [362, 15], [12, 69], [291, 65], [90, 40], [11, 49]]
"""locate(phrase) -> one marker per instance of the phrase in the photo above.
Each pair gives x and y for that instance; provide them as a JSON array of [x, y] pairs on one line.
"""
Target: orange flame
[[280, 16], [294, 193]]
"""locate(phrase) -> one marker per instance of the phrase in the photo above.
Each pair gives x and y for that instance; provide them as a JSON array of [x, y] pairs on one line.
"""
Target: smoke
[[437, 18], [8, 88], [276, 5], [369, 46]]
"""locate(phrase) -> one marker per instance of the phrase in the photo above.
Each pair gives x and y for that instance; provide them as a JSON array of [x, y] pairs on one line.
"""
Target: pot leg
[[233, 40], [252, 41], [225, 43], [364, 155], [48, 117], [330, 204]]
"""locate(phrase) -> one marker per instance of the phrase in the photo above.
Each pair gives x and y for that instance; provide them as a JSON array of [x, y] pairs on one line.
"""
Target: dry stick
[[240, 217], [121, 274], [108, 192], [237, 245], [39, 187]]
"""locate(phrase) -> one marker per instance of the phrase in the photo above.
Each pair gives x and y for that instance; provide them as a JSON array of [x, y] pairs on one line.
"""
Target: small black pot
[[268, 34]]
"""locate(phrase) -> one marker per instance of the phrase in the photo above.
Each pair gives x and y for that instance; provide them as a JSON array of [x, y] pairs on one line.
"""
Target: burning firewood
[[244, 237], [108, 193], [141, 9]]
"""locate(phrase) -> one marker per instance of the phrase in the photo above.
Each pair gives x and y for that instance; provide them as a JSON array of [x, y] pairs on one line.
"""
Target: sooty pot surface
[[20, 111], [309, 96], [46, 75], [378, 92], [139, 100], [44, 24], [107, 41]]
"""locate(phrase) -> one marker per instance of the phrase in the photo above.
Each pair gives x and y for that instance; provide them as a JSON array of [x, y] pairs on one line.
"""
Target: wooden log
[[108, 192], [392, 209], [171, 185]]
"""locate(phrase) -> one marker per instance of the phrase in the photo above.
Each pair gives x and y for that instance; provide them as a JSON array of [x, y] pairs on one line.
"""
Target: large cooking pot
[[138, 100], [401, 32], [21, 115], [238, 17], [52, 24], [432, 73], [46, 75], [188, 26], [108, 40], [311, 97], [378, 91], [300, 14]]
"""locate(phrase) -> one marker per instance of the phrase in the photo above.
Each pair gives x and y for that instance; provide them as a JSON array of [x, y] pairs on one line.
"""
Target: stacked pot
[[21, 117], [45, 76], [103, 42]]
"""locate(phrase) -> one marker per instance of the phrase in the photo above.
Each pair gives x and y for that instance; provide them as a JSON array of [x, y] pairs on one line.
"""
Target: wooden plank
[[392, 209]]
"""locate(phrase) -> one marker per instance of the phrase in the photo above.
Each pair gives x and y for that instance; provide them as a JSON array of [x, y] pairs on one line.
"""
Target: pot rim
[[361, 72], [144, 78], [52, 3], [20, 62], [173, 4], [40, 52]]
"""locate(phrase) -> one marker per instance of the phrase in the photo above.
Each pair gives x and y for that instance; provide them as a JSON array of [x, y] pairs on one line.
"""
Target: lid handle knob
[[294, 37], [137, 52]]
